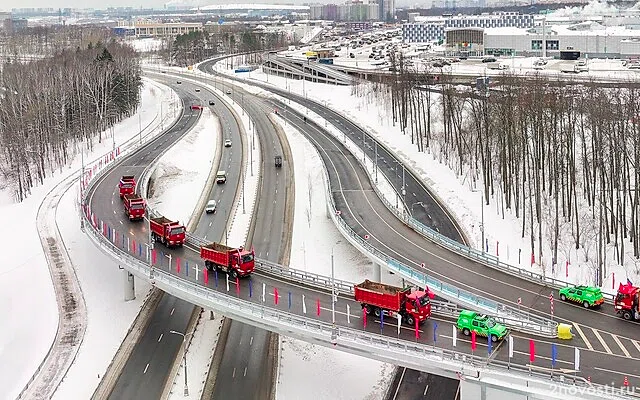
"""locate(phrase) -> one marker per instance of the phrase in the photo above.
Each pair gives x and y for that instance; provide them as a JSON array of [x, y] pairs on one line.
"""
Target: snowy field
[[32, 332]]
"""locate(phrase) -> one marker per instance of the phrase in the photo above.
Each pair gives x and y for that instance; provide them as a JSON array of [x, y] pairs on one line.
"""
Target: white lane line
[[584, 338], [425, 390], [616, 372], [251, 341], [121, 223], [636, 344], [172, 310], [234, 373], [114, 211], [602, 342], [245, 371], [395, 395], [145, 369], [205, 237], [160, 338], [210, 223], [624, 349]]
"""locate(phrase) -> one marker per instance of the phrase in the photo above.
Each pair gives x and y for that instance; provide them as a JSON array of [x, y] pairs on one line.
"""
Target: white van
[[221, 177]]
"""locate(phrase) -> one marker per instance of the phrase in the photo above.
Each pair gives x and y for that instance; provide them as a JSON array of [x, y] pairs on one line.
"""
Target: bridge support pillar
[[376, 272], [129, 286]]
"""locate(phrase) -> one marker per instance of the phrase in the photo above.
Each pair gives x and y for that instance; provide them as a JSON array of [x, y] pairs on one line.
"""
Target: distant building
[[354, 10], [168, 29], [428, 29]]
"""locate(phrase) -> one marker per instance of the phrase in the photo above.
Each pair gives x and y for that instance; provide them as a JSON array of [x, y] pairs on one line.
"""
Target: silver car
[[211, 207]]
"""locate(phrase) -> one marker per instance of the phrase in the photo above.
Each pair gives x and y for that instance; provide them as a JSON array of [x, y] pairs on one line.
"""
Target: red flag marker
[[238, 286], [473, 340], [275, 295], [318, 307], [133, 245], [566, 267], [532, 350], [153, 256], [417, 330], [178, 264], [364, 318], [206, 276]]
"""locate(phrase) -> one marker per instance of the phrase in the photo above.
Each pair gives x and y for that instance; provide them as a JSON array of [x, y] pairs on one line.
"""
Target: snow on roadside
[[305, 368], [26, 282], [182, 171]]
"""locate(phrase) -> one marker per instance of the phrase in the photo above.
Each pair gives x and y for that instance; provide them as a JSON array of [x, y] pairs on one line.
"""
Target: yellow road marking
[[584, 338], [602, 342]]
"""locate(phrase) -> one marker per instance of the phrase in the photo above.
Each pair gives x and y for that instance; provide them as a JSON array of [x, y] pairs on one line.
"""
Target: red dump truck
[[134, 206], [234, 261], [170, 233], [376, 297], [627, 302], [127, 185]]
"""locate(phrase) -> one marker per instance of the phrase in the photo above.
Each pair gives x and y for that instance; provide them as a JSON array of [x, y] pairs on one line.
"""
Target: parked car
[[227, 143], [211, 207]]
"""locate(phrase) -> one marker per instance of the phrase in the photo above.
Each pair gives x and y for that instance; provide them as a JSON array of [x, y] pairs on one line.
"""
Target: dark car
[[489, 59], [212, 103], [196, 107], [179, 82]]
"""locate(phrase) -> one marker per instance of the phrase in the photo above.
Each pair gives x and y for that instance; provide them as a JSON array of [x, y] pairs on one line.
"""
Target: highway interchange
[[598, 330]]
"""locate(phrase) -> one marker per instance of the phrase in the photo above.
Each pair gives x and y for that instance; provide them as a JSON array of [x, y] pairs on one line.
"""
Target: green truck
[[588, 296], [482, 325]]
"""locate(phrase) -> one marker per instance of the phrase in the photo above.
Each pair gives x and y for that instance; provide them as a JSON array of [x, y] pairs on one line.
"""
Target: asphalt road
[[146, 370], [246, 369], [391, 235], [409, 384]]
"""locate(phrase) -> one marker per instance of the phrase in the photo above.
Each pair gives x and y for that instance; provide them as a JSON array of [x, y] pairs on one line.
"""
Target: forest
[[562, 156], [52, 107]]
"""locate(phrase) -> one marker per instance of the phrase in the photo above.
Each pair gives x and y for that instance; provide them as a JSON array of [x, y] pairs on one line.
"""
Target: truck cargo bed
[[219, 247], [161, 220], [380, 288]]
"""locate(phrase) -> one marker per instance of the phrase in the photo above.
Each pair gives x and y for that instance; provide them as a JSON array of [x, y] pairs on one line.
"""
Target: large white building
[[429, 29], [590, 39]]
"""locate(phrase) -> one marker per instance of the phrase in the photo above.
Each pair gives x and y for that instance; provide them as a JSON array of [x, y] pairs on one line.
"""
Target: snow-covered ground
[[29, 306]]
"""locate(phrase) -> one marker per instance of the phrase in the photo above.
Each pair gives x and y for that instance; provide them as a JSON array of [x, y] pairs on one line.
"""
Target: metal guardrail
[[415, 355]]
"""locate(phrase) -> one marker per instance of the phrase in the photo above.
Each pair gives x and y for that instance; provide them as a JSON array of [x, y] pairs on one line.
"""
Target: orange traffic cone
[[626, 382]]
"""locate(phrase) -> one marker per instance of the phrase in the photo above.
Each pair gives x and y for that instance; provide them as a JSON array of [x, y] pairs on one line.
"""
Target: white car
[[228, 91], [197, 90], [211, 207], [227, 143]]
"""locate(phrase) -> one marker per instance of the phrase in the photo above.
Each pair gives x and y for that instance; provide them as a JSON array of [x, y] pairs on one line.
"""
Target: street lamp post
[[184, 358]]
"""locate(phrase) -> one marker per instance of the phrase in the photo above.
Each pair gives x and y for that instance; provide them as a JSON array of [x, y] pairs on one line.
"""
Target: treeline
[[46, 41], [564, 157], [194, 47], [51, 107]]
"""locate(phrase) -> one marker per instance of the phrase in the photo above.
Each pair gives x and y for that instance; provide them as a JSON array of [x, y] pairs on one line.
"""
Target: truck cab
[[245, 262], [418, 304], [627, 302], [127, 185]]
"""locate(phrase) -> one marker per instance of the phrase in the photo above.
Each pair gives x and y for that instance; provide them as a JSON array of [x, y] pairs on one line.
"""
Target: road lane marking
[[121, 223], [602, 342], [616, 372], [145, 369], [584, 338], [636, 344], [624, 349], [251, 341], [245, 371], [425, 390], [160, 338], [172, 310], [234, 373]]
